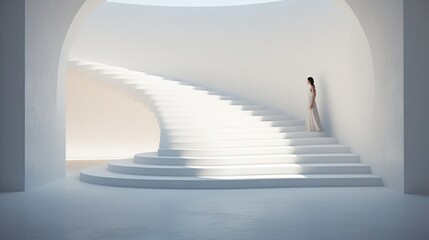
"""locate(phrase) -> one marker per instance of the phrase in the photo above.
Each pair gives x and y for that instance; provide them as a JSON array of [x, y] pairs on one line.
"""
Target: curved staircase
[[212, 140]]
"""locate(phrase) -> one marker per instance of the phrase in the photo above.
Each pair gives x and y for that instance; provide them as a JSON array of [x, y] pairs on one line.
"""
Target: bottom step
[[100, 175]]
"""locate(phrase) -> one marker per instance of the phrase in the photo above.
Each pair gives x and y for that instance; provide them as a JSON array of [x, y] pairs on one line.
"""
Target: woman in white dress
[[313, 121]]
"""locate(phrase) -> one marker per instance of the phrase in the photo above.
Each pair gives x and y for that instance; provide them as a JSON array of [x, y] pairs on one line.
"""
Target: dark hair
[[311, 80]]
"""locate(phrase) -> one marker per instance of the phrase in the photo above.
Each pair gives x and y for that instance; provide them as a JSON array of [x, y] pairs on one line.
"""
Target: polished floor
[[70, 209]]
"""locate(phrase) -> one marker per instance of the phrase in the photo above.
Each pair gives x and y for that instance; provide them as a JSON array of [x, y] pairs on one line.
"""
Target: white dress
[[313, 121]]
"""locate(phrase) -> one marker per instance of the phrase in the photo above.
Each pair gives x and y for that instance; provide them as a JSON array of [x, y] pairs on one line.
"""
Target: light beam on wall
[[193, 3]]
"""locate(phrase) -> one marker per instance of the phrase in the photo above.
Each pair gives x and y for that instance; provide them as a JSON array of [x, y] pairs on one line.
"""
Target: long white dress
[[313, 121]]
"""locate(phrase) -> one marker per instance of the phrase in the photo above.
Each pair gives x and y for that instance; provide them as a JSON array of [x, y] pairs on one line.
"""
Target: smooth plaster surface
[[12, 100], [416, 86], [382, 21], [104, 121], [44, 114], [70, 209]]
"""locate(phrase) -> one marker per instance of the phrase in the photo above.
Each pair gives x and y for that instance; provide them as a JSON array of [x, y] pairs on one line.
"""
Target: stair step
[[100, 175], [176, 92], [184, 97], [143, 82], [216, 111], [220, 106], [254, 151], [229, 124], [244, 130], [240, 136], [153, 158], [233, 116], [191, 102], [249, 143], [129, 167], [197, 119]]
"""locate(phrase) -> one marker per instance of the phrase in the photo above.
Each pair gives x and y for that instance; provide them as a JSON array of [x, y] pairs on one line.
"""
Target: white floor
[[70, 209]]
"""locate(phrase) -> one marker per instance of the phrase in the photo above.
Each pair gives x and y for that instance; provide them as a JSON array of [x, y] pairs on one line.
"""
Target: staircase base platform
[[101, 176]]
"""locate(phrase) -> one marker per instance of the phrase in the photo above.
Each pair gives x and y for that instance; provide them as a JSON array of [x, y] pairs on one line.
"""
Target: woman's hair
[[311, 80]]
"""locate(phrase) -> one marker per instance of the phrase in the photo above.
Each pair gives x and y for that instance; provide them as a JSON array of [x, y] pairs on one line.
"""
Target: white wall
[[416, 88], [12, 99], [104, 122], [382, 21], [46, 26]]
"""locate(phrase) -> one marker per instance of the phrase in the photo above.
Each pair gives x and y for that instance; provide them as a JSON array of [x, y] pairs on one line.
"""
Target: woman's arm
[[313, 100]]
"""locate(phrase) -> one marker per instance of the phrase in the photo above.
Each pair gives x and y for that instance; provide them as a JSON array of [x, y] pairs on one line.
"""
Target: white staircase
[[211, 140]]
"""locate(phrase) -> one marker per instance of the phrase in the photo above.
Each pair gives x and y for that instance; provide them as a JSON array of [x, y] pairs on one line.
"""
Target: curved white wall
[[44, 109], [383, 22], [263, 52], [104, 123]]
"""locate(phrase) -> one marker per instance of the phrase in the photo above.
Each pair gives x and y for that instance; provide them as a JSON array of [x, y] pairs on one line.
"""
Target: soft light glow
[[193, 3]]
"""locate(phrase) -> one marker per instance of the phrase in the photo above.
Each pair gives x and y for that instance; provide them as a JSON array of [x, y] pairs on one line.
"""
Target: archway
[[360, 90]]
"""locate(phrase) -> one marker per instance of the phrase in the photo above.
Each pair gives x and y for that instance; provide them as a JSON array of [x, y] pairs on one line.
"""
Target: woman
[[313, 120]]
